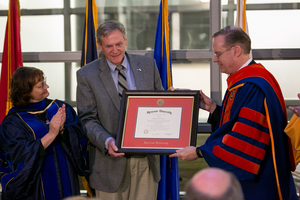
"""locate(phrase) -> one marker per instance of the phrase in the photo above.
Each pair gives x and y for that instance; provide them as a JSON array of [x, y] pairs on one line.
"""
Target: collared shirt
[[114, 75], [246, 64], [127, 71]]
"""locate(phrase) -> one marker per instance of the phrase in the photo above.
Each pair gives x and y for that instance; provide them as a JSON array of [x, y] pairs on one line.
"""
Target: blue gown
[[32, 172], [248, 138]]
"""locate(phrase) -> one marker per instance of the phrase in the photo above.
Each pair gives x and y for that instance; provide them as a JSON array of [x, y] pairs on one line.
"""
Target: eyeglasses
[[43, 84], [219, 54]]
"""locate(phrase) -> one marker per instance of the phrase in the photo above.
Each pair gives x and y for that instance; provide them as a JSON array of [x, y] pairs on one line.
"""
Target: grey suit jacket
[[98, 107]]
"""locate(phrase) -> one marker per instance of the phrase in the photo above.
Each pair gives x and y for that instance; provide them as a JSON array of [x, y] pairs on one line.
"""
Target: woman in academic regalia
[[41, 140]]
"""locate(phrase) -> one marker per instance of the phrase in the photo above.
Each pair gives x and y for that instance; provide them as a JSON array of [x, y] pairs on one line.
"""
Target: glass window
[[33, 4], [269, 1], [192, 75], [77, 24], [286, 73], [3, 21], [189, 22], [55, 73], [4, 5], [194, 30], [38, 34], [42, 33], [269, 29], [73, 85]]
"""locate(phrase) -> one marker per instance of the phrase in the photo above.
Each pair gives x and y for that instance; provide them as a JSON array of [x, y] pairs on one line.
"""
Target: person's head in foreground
[[213, 184]]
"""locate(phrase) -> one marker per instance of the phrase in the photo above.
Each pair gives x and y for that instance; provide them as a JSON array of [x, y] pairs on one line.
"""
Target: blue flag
[[162, 46], [89, 46], [168, 188]]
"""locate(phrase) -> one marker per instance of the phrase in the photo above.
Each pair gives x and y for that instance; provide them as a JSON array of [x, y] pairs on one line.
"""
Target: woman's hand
[[56, 124], [63, 119], [57, 121]]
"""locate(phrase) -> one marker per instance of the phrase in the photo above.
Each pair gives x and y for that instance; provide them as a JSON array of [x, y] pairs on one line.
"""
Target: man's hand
[[186, 154], [207, 103], [112, 149], [173, 89]]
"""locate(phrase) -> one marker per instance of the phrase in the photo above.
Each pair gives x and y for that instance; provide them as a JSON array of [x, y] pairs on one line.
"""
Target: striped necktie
[[122, 83]]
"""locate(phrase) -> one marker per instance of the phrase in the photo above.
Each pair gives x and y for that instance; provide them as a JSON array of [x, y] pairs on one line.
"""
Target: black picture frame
[[165, 136]]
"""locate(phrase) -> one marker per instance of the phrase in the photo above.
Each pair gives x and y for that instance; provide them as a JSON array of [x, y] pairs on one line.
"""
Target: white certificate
[[158, 122]]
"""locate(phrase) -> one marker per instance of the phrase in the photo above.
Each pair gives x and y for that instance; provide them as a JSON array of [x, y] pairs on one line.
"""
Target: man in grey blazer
[[114, 175]]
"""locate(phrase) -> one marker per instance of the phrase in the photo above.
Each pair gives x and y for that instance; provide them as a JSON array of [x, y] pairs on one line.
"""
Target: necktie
[[122, 83]]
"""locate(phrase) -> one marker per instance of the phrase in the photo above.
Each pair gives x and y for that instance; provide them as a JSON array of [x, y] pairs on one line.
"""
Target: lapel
[[137, 71], [107, 81]]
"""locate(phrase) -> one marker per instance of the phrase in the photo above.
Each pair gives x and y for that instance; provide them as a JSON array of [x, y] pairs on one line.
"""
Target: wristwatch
[[198, 152]]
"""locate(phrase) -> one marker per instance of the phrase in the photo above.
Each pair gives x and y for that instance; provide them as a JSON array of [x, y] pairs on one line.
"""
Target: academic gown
[[248, 138], [37, 173]]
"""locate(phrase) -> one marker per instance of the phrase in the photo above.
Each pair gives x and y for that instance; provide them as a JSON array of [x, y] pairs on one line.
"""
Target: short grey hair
[[108, 27]]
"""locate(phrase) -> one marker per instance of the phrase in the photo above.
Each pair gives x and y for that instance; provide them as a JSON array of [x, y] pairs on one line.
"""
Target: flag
[[168, 187], [89, 46], [162, 46], [88, 54], [241, 18], [12, 57]]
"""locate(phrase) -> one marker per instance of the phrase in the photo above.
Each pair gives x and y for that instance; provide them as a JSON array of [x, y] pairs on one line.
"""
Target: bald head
[[213, 184], [212, 181]]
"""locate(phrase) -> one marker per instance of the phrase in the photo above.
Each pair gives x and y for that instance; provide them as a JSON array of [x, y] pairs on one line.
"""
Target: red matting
[[128, 140]]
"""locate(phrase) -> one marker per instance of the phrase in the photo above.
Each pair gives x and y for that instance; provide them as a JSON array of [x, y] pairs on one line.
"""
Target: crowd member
[[114, 175], [293, 131], [213, 184], [248, 136], [41, 142], [296, 109]]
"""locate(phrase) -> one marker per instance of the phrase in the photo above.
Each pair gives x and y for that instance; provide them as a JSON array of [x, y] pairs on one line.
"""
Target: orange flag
[[12, 55], [241, 18]]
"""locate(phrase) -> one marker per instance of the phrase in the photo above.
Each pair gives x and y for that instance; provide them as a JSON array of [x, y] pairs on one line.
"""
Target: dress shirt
[[129, 79]]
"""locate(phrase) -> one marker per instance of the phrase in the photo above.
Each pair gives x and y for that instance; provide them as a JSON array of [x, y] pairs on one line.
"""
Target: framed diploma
[[157, 122]]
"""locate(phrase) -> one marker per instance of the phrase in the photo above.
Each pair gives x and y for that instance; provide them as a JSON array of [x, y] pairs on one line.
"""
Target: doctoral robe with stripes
[[248, 138]]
